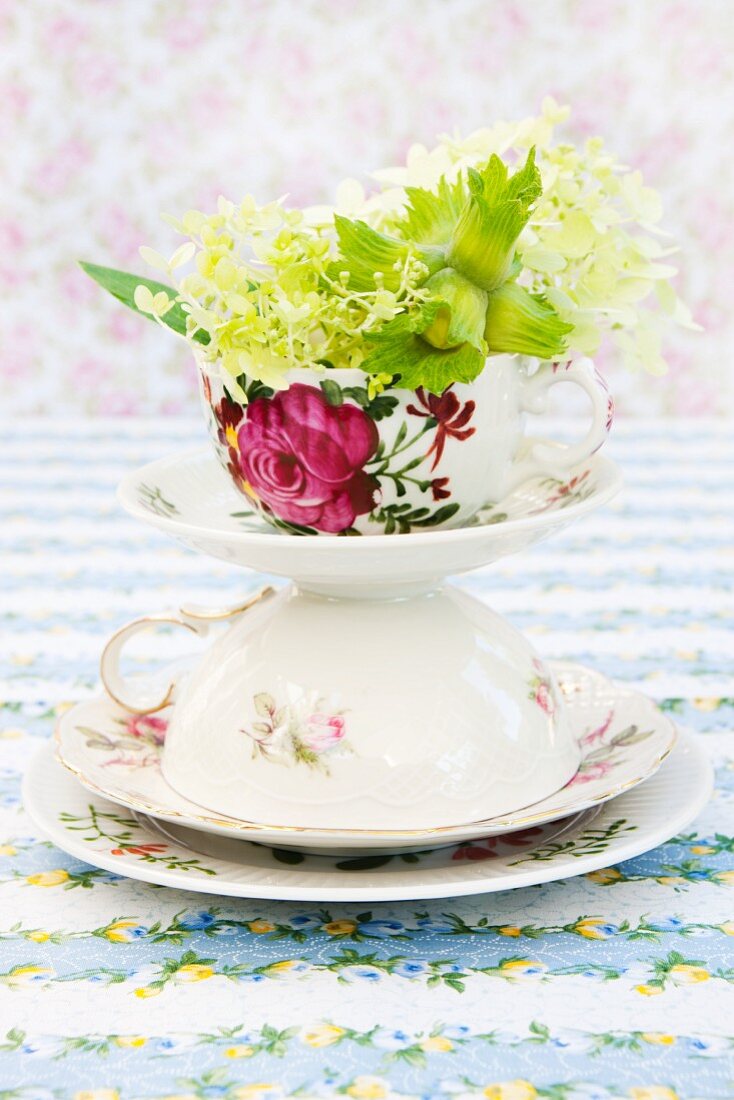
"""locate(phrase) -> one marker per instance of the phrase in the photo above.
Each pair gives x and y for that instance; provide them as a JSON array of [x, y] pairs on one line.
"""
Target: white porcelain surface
[[625, 827], [470, 439], [622, 736], [190, 497], [369, 714], [369, 696]]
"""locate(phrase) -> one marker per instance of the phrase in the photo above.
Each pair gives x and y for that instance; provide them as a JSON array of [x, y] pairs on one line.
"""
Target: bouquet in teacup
[[366, 366]]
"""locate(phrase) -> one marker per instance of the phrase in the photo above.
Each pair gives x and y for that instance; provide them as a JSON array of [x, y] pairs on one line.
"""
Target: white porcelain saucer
[[190, 497], [102, 834], [623, 737]]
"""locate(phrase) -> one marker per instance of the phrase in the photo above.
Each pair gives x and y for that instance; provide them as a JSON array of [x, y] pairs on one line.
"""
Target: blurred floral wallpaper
[[116, 110]]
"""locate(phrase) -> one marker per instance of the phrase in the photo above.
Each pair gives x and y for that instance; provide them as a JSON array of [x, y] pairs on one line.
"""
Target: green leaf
[[402, 352], [264, 704], [253, 389], [362, 863], [121, 285], [285, 856], [518, 322], [332, 391], [430, 216], [364, 251], [439, 516]]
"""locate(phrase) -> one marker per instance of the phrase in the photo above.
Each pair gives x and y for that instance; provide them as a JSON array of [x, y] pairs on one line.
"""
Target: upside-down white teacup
[[323, 456], [348, 713]]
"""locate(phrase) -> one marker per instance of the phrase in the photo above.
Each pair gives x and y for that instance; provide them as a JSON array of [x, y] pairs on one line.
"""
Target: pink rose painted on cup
[[299, 733], [541, 689], [323, 731], [303, 458], [544, 699]]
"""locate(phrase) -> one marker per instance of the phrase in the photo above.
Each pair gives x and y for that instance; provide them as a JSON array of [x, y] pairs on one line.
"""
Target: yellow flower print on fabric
[[595, 928], [23, 977], [436, 1044], [48, 878], [340, 927], [653, 1092], [523, 968], [194, 972], [261, 927], [97, 1094], [604, 876], [123, 931], [323, 1035], [368, 1088], [260, 1091], [685, 974], [511, 1090]]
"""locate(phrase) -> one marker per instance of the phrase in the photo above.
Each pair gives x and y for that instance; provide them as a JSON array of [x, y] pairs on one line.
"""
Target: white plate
[[99, 832], [624, 738], [190, 497]]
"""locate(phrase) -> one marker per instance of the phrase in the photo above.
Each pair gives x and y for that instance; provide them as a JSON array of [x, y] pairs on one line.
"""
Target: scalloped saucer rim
[[134, 747], [636, 822], [128, 494]]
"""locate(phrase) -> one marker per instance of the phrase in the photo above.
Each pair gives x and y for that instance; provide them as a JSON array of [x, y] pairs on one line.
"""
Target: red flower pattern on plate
[[489, 848]]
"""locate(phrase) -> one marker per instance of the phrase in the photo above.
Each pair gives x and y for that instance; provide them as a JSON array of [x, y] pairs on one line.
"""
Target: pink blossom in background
[[19, 353], [96, 75], [114, 113], [62, 33], [125, 327], [120, 235], [59, 171], [74, 285]]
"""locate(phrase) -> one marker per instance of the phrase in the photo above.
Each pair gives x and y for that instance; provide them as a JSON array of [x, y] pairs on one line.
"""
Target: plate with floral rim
[[116, 839], [623, 738], [190, 497]]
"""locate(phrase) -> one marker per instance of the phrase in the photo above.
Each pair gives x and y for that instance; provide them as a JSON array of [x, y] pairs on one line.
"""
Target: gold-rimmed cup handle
[[543, 457], [146, 695]]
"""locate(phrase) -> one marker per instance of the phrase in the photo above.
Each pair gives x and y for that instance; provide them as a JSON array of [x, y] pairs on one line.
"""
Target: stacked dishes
[[366, 732]]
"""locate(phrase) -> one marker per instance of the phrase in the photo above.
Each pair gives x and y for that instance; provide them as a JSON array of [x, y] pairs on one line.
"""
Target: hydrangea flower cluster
[[593, 246], [266, 294], [502, 242]]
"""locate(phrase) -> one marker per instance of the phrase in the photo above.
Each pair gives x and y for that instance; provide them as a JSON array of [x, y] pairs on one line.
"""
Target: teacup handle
[[147, 696], [543, 456]]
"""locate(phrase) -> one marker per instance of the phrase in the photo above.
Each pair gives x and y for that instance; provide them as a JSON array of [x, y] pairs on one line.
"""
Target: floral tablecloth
[[616, 984]]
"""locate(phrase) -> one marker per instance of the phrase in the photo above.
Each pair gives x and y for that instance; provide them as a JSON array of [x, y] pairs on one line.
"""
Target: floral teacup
[[328, 456]]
